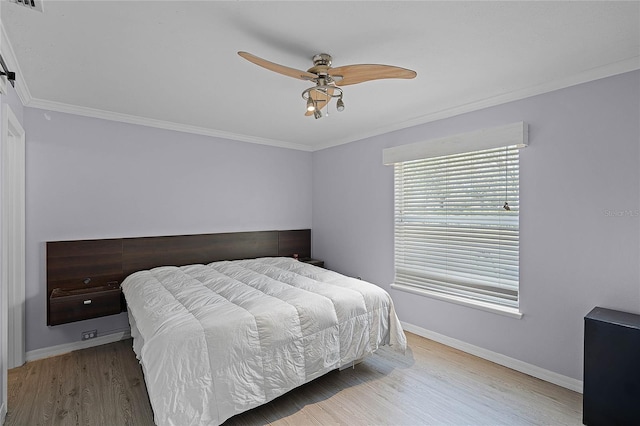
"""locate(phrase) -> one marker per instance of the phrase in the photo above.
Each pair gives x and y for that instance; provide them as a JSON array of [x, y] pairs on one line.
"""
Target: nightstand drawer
[[314, 262], [76, 305]]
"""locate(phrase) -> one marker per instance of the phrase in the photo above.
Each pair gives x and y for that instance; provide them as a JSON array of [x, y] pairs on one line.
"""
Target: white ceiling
[[173, 64]]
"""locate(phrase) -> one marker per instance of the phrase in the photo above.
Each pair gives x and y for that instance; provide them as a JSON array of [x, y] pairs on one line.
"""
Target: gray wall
[[579, 223], [90, 178]]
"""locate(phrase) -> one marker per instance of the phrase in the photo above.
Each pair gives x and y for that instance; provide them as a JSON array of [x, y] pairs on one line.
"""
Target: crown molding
[[609, 70], [593, 74], [160, 124], [620, 67], [29, 101]]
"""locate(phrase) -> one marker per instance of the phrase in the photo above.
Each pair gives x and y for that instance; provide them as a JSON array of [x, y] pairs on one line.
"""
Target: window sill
[[488, 307]]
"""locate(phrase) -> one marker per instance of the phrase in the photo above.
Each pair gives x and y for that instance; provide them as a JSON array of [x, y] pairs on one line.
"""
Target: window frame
[[513, 135]]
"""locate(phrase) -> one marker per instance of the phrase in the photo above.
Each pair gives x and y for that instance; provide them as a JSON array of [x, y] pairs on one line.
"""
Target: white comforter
[[216, 340]]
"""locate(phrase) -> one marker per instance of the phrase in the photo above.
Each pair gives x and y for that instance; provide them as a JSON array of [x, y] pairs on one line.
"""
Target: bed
[[218, 338]]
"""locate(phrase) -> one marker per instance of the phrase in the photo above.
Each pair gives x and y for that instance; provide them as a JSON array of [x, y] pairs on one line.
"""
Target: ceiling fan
[[329, 81]]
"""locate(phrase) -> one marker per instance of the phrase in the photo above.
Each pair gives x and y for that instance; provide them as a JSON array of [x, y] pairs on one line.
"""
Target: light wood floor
[[431, 385]]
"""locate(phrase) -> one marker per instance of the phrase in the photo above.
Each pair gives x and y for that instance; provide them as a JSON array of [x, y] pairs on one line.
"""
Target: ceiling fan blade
[[291, 72], [322, 99], [353, 74]]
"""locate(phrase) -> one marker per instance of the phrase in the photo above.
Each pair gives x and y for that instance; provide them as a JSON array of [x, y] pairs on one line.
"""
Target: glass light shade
[[311, 106]]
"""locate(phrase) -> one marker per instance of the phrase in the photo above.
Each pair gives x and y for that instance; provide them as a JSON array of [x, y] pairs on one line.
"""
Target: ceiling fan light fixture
[[311, 105], [329, 81]]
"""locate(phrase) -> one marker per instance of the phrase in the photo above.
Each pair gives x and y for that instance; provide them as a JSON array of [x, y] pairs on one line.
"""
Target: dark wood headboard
[[92, 263]]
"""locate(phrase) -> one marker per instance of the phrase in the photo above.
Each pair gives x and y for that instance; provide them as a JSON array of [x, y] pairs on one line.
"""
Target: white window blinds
[[457, 225]]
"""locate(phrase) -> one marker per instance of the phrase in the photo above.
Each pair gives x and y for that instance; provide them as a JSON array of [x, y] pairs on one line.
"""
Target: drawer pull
[[87, 302]]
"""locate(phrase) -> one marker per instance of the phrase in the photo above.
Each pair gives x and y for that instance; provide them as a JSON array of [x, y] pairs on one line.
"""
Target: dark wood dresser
[[611, 368]]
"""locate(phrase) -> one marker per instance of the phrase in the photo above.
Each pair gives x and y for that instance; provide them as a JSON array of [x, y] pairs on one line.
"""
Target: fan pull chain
[[326, 94]]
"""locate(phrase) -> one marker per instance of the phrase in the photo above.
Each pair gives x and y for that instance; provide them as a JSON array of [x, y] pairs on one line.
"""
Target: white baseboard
[[74, 346], [3, 413], [514, 364]]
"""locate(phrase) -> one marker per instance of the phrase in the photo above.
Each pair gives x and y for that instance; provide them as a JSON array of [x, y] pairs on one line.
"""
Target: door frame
[[12, 258]]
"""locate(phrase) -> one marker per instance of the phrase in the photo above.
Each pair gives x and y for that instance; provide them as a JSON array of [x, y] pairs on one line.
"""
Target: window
[[457, 218]]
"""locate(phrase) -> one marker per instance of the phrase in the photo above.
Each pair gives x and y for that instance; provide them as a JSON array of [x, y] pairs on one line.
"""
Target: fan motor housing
[[322, 59]]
